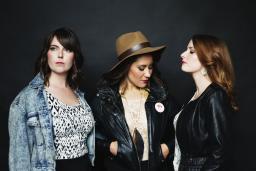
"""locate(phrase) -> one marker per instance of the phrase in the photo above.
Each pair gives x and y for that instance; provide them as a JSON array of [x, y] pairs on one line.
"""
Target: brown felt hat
[[133, 44]]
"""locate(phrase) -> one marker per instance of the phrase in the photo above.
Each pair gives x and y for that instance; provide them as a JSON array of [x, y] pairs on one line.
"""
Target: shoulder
[[80, 93], [20, 105], [107, 92], [216, 92], [23, 95], [29, 95], [105, 96], [214, 98], [218, 100], [30, 90]]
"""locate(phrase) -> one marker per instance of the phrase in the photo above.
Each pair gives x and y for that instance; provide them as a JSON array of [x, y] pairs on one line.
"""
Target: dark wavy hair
[[68, 40], [214, 55], [118, 75]]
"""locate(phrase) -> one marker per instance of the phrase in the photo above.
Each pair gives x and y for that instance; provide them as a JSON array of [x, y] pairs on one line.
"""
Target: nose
[[148, 73], [60, 54], [183, 54]]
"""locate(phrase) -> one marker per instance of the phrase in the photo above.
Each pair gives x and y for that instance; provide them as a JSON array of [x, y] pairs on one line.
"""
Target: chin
[[142, 86], [184, 69], [60, 72]]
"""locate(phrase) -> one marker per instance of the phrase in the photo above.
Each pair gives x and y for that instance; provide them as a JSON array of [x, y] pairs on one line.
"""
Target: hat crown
[[128, 41]]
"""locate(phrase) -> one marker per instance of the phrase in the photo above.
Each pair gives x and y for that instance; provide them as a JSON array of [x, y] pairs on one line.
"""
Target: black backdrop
[[24, 24]]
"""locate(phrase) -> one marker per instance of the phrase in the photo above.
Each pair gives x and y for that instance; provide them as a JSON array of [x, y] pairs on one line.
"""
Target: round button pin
[[159, 107]]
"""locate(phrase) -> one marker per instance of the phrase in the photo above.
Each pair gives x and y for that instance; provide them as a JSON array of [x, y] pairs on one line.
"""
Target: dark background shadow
[[24, 24]]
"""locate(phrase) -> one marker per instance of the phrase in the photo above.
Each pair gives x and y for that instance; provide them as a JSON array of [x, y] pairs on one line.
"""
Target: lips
[[145, 81], [59, 62]]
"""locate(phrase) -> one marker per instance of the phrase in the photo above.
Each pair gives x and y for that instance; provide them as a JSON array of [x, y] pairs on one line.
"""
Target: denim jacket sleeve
[[91, 146], [19, 153], [91, 136]]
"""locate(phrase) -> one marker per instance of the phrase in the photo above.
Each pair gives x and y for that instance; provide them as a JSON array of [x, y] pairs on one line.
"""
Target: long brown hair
[[69, 40], [214, 55], [118, 75]]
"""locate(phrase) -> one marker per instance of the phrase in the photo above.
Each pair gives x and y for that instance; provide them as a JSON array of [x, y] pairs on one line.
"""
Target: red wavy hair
[[214, 55]]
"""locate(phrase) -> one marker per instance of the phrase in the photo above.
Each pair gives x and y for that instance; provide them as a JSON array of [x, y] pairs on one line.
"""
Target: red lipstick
[[145, 81]]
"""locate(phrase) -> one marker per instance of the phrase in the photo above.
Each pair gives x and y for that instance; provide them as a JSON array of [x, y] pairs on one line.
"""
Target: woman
[[202, 126], [51, 126], [132, 109]]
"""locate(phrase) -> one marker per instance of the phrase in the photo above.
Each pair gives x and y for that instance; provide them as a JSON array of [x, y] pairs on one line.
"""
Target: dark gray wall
[[24, 24]]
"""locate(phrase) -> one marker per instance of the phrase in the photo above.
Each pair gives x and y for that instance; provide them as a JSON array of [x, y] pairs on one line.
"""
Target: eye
[[141, 68], [52, 48], [150, 67], [68, 50], [191, 52]]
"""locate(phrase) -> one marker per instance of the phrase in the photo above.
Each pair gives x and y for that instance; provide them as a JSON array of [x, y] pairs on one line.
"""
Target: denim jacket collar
[[38, 83]]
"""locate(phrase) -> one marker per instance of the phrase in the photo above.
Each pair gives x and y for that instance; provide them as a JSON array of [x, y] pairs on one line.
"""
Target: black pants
[[115, 166], [77, 164], [191, 164], [144, 165]]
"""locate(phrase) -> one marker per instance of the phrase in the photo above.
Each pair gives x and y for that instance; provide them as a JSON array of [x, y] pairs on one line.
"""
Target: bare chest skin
[[64, 94]]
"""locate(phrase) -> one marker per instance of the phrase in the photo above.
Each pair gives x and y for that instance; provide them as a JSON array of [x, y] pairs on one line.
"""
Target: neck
[[58, 80], [128, 86], [202, 82], [129, 90], [132, 87]]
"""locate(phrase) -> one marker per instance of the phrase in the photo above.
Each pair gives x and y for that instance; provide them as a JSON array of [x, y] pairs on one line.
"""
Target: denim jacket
[[31, 131]]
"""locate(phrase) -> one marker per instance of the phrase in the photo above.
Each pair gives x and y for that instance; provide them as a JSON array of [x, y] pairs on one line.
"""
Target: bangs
[[67, 40]]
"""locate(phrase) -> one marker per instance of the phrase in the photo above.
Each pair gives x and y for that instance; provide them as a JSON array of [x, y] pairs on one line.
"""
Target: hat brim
[[146, 50]]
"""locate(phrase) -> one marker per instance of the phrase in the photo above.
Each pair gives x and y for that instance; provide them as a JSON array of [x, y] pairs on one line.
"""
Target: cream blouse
[[135, 115]]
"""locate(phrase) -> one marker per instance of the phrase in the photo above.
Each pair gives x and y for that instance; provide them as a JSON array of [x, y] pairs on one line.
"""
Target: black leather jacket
[[203, 131], [111, 126]]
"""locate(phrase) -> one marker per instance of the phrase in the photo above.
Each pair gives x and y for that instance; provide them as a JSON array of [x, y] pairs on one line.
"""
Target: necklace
[[133, 110]]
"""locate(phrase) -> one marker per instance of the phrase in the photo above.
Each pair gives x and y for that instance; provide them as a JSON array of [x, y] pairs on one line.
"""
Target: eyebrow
[[144, 65], [54, 45]]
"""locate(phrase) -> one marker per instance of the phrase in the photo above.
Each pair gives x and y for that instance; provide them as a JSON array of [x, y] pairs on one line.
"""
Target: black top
[[203, 128]]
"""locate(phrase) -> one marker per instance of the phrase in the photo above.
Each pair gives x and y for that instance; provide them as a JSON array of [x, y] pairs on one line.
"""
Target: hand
[[165, 150], [113, 147]]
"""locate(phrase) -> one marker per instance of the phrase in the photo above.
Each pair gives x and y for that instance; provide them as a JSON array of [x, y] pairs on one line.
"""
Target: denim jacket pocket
[[36, 130], [33, 121]]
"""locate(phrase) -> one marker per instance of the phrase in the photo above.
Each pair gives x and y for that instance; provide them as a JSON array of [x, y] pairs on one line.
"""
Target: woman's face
[[140, 71], [60, 60], [189, 60]]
